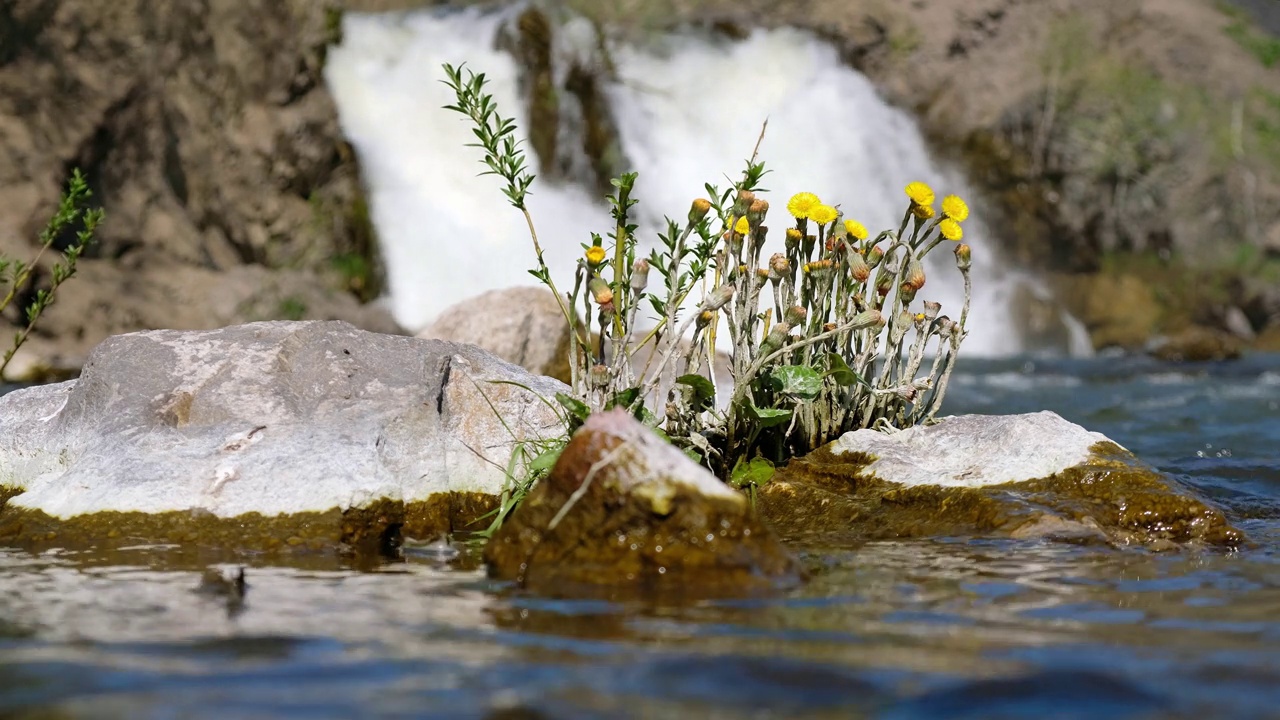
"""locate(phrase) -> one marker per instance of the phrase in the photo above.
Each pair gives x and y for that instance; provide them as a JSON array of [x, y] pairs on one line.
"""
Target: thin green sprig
[[72, 210]]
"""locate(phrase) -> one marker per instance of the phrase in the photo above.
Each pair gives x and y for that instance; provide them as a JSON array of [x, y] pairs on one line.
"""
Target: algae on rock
[[624, 510], [1019, 476]]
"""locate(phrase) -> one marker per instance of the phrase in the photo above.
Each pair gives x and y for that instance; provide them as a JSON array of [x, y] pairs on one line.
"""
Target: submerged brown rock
[[626, 511], [1198, 344]]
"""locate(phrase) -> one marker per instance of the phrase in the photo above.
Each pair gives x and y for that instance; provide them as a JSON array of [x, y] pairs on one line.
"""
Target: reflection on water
[[948, 627]]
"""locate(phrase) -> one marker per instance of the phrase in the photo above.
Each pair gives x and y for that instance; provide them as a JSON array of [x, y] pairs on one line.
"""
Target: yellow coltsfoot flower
[[823, 214], [924, 212], [920, 193], [950, 229], [855, 229], [595, 255], [955, 208], [742, 227], [801, 204]]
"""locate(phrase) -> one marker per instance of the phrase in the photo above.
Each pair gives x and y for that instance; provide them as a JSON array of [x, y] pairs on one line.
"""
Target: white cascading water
[[688, 112]]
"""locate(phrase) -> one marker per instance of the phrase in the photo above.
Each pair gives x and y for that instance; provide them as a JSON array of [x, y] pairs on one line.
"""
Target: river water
[[948, 627]]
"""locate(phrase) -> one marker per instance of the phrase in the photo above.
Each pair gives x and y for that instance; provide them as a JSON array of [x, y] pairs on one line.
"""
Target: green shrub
[[840, 345]]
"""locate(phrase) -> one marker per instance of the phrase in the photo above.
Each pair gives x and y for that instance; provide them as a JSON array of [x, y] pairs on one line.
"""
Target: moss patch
[[656, 538], [1111, 496], [377, 527]]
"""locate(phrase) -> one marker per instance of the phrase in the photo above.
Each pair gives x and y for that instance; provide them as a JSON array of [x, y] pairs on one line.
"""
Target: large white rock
[[273, 417], [974, 450]]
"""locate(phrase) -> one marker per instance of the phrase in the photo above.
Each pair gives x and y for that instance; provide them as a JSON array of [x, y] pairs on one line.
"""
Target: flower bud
[[717, 298], [779, 267], [743, 202], [600, 291], [866, 319], [793, 238], [639, 276], [699, 210], [858, 267], [900, 325], [884, 285], [922, 212], [915, 274], [963, 258], [599, 376], [907, 293], [828, 327], [756, 211], [819, 268], [704, 318], [795, 315], [874, 256], [778, 336], [757, 240], [733, 241]]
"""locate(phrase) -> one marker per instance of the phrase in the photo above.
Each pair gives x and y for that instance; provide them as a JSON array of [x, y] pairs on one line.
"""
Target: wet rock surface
[[1021, 476], [303, 434], [640, 517], [1197, 344]]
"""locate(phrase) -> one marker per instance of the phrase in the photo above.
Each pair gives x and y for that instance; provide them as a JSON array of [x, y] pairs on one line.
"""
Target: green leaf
[[797, 381], [624, 399], [757, 472], [576, 407], [704, 391], [545, 461], [838, 370], [768, 417], [648, 419]]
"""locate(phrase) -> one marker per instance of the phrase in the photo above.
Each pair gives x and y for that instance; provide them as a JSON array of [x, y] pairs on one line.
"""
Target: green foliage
[[1259, 44], [823, 335], [494, 133], [1261, 127], [531, 460], [292, 308], [72, 216]]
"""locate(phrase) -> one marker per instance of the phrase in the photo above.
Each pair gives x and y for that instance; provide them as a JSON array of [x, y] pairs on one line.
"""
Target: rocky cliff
[[210, 140]]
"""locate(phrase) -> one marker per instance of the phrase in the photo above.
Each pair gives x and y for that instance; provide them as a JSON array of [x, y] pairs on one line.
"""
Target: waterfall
[[689, 110]]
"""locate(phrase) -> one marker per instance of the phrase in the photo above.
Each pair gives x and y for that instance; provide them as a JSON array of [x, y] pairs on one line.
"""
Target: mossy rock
[[624, 512], [1101, 492], [375, 528]]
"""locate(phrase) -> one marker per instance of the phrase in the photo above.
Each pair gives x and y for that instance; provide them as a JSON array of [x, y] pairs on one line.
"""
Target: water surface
[[949, 627]]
